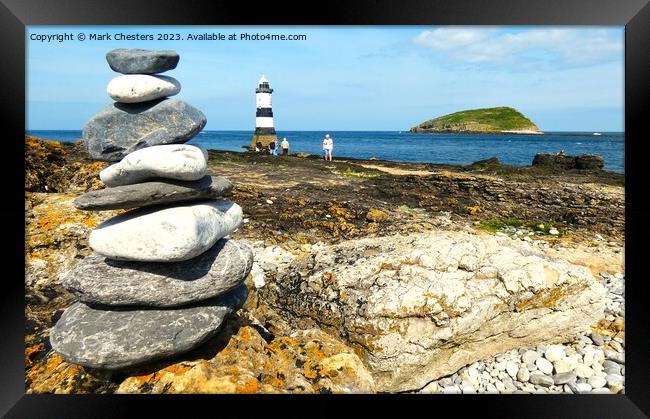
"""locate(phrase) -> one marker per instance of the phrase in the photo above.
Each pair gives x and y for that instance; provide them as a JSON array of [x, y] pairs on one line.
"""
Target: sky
[[389, 78]]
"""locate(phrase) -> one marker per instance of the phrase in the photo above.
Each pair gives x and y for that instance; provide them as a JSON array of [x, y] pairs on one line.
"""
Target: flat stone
[[170, 161], [541, 380], [114, 339], [135, 88], [154, 193], [141, 61], [583, 371], [564, 378], [110, 282], [122, 128], [561, 366], [170, 234]]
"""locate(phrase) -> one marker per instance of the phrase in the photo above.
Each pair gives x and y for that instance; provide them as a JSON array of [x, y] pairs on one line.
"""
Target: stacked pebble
[[164, 275]]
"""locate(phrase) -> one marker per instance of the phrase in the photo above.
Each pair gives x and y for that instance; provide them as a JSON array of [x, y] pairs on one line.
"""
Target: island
[[486, 120]]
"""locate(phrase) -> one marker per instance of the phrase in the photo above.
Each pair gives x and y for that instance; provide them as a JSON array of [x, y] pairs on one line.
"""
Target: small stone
[[499, 386], [583, 371], [512, 368], [135, 88], [616, 388], [140, 61], [616, 346], [611, 367], [597, 339], [554, 353], [530, 357], [154, 193], [268, 201], [602, 390], [614, 379], [564, 378], [490, 388], [171, 161], [122, 128], [541, 379], [544, 366], [523, 375], [561, 366], [618, 357], [553, 232], [170, 234], [597, 382], [450, 390], [500, 366]]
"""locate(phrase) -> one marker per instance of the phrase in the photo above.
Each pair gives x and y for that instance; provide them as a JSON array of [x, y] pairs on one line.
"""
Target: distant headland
[[486, 120]]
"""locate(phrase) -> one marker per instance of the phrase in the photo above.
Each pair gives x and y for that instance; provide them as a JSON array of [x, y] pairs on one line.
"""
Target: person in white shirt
[[328, 146], [285, 146]]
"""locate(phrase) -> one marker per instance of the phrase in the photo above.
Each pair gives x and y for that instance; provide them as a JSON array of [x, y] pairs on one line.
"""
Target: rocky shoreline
[[296, 209]]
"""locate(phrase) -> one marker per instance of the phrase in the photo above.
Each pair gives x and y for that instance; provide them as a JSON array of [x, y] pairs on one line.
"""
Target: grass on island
[[485, 119], [500, 224]]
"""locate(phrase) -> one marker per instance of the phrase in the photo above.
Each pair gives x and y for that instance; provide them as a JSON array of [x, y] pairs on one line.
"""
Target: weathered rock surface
[[171, 161], [104, 281], [170, 234], [113, 339], [307, 361], [584, 162], [154, 193], [423, 306], [141, 61], [122, 128], [135, 88]]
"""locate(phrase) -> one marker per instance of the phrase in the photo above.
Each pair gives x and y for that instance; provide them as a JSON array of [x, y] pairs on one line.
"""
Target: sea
[[403, 146]]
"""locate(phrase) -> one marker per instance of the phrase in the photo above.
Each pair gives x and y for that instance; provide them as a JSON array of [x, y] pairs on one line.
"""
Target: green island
[[490, 120]]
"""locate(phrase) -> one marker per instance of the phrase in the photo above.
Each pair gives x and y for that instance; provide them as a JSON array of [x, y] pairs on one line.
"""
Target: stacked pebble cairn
[[163, 276]]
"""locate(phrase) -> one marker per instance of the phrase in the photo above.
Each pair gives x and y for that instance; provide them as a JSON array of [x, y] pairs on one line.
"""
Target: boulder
[[171, 161], [122, 128], [141, 61], [114, 339], [423, 306], [110, 282], [154, 193], [135, 88], [167, 234], [564, 162]]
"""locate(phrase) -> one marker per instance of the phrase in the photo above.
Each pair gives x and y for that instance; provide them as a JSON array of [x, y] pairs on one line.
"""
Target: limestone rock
[[135, 88], [154, 193], [170, 234], [423, 306], [103, 281], [121, 128], [114, 339], [171, 161], [141, 61]]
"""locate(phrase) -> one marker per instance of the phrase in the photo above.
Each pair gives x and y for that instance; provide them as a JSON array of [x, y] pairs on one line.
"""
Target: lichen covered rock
[[423, 306]]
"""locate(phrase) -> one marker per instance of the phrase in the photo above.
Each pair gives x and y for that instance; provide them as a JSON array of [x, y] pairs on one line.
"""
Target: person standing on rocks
[[328, 146], [285, 146]]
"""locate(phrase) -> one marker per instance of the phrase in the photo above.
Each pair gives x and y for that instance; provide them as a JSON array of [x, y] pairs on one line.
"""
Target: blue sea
[[515, 149]]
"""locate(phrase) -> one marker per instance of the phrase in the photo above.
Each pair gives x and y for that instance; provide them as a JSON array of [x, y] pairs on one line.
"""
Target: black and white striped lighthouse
[[264, 129]]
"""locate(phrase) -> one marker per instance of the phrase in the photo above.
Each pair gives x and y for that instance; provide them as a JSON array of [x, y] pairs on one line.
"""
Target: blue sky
[[350, 78]]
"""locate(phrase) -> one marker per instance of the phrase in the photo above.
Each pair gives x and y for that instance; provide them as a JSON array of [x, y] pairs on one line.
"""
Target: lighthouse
[[264, 129]]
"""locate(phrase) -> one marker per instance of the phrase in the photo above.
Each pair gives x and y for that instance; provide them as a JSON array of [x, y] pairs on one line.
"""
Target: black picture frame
[[15, 15]]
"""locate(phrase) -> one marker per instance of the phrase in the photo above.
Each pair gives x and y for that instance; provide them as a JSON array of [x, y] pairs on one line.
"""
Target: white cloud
[[490, 46]]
